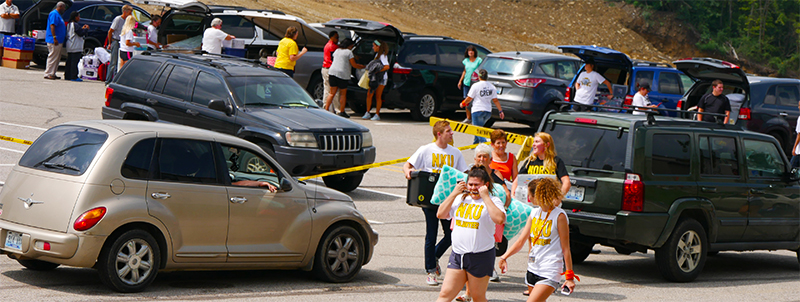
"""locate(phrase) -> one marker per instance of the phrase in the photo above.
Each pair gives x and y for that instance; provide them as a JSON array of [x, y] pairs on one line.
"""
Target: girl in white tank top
[[548, 231]]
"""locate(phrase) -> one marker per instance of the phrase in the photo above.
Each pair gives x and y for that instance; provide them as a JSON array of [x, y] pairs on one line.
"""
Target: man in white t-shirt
[[484, 94], [587, 84], [213, 37], [640, 99], [796, 149], [8, 12], [152, 32], [431, 158]]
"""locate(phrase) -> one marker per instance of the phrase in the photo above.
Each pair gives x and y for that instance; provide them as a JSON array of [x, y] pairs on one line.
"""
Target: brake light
[[529, 83], [474, 77], [89, 219], [398, 69], [109, 92], [528, 112], [680, 104], [586, 120], [566, 95], [744, 113], [628, 99], [633, 193], [729, 64]]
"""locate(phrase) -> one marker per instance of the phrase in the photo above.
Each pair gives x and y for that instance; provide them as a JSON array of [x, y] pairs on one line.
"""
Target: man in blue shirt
[[55, 38]]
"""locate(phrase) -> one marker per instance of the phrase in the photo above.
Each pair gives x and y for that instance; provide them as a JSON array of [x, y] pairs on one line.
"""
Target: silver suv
[[130, 198]]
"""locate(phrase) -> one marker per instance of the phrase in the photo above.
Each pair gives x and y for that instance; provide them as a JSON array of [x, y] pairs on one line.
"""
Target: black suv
[[760, 104], [425, 69], [680, 187], [528, 83], [246, 99]]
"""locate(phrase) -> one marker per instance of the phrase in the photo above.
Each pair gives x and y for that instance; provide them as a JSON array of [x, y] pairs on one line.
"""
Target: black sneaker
[[344, 114]]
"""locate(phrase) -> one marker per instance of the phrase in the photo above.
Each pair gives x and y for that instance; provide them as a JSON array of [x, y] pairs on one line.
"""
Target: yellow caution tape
[[373, 165], [525, 141], [15, 140]]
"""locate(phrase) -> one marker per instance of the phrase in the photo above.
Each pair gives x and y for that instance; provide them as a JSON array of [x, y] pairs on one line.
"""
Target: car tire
[[88, 47], [580, 251], [357, 106], [489, 123], [40, 59], [425, 107], [339, 256], [683, 256], [343, 182], [316, 88], [130, 263], [38, 265]]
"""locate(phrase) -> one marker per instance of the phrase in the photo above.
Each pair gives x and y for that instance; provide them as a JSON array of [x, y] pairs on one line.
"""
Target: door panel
[[722, 182], [169, 108], [197, 114], [186, 195], [773, 203], [265, 226]]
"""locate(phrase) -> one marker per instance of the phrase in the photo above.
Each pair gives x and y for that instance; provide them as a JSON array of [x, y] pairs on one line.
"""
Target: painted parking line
[[12, 150], [375, 222], [384, 193], [23, 126], [7, 165]]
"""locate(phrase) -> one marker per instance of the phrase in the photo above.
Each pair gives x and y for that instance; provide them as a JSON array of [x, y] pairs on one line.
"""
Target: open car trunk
[[365, 32], [35, 18], [706, 70]]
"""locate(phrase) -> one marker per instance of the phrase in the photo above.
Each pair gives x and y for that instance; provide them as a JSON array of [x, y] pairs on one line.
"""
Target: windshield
[[269, 91], [64, 149], [588, 147], [506, 66]]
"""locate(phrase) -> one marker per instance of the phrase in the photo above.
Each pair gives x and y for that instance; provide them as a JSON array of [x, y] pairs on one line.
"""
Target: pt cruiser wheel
[[131, 263], [340, 255], [684, 254]]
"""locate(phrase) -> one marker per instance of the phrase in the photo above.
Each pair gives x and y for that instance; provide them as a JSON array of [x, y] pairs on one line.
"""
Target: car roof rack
[[415, 36], [651, 114], [208, 61], [651, 64]]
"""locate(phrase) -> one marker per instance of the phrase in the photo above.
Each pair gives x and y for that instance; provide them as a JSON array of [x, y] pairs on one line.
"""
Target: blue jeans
[[433, 250], [479, 119], [465, 89], [795, 161]]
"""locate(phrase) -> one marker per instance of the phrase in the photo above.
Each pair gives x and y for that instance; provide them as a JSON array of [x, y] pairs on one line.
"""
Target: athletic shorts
[[532, 279], [125, 55], [477, 264], [335, 81]]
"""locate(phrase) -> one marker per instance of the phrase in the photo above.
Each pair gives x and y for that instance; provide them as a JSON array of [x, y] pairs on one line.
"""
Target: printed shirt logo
[[539, 170], [439, 160], [543, 227], [585, 82], [486, 92], [468, 212]]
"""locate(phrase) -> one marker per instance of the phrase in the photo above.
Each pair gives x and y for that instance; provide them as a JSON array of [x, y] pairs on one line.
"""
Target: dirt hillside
[[504, 25]]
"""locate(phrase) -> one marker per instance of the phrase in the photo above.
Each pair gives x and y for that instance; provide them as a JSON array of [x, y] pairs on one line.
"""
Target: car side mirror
[[220, 105], [794, 175], [286, 185]]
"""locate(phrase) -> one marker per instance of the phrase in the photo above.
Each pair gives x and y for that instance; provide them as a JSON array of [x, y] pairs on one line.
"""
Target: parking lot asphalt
[[29, 105]]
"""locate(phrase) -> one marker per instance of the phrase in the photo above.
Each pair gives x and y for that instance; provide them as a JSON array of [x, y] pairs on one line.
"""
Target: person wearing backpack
[[75, 34], [377, 78]]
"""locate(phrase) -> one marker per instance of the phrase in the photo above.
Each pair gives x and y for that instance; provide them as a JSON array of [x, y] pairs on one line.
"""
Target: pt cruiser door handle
[[160, 195], [238, 200]]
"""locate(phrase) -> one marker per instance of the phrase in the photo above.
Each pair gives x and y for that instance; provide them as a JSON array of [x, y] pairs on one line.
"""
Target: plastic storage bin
[[20, 43], [420, 189], [234, 52]]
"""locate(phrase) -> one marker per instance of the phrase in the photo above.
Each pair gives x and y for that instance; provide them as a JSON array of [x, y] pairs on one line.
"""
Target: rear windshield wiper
[[291, 104], [52, 165], [503, 73], [262, 104], [591, 170]]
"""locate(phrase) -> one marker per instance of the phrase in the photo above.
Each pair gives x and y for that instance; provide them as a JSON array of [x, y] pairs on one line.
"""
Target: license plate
[[500, 90], [575, 193], [14, 240]]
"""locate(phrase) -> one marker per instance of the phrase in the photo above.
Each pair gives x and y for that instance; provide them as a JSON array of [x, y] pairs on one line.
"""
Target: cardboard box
[[16, 64], [39, 34], [235, 43], [16, 54]]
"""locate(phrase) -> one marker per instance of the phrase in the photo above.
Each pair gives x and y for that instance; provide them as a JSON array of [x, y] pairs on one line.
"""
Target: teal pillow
[[516, 214]]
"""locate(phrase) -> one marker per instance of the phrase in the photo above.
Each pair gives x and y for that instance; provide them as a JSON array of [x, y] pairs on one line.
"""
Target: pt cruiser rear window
[[64, 149]]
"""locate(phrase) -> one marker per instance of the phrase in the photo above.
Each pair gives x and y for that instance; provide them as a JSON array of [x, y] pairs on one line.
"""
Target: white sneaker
[[366, 116], [431, 280], [376, 117], [494, 277]]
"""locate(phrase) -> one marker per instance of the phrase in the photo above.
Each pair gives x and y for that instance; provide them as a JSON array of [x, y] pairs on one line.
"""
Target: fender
[[273, 138], [684, 204], [146, 111], [552, 95]]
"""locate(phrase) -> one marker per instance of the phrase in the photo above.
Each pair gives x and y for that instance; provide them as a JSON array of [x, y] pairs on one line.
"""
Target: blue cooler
[[234, 52]]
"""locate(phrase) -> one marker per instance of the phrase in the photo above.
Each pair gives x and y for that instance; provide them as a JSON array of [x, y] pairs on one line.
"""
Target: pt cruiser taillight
[[89, 219], [633, 193]]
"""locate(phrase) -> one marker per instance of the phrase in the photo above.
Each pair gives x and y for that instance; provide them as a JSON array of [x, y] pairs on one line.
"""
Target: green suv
[[683, 188]]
